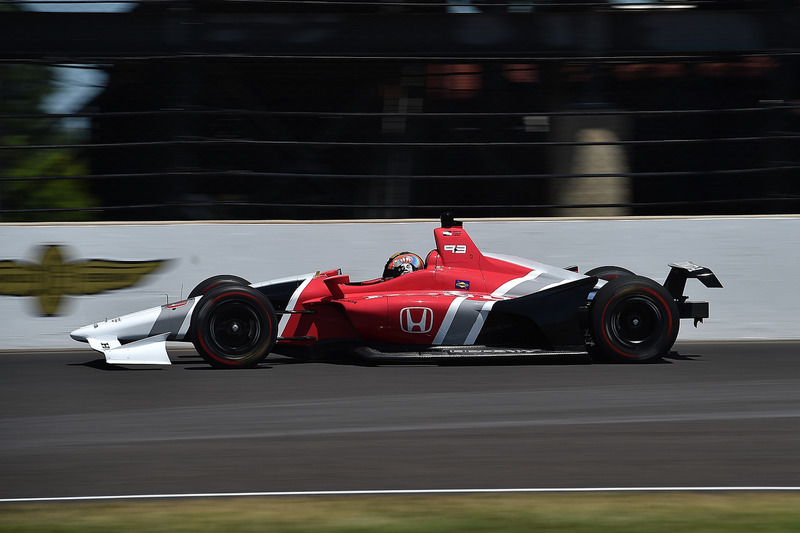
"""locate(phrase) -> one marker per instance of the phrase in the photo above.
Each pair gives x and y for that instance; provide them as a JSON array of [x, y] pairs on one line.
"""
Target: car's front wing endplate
[[149, 351]]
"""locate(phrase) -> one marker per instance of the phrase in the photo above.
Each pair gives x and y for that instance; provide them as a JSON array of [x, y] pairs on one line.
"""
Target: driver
[[402, 263]]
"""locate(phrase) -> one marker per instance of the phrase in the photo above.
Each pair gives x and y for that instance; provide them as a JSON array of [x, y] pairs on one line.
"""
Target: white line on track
[[398, 492]]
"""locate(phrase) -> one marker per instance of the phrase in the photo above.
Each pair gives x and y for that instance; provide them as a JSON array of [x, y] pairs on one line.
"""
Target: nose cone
[[81, 334]]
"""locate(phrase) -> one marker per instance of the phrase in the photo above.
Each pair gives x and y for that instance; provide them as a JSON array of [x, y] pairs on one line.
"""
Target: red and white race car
[[457, 303]]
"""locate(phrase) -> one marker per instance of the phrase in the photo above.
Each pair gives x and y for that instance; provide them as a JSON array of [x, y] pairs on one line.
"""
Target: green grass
[[598, 512]]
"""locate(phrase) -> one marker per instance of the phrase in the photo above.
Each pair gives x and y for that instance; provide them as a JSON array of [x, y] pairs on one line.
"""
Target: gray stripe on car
[[466, 315], [170, 320], [533, 285]]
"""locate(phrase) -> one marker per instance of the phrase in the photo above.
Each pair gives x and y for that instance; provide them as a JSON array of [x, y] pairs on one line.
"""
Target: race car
[[456, 303]]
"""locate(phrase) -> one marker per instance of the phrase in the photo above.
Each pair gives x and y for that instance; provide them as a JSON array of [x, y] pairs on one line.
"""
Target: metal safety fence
[[601, 130]]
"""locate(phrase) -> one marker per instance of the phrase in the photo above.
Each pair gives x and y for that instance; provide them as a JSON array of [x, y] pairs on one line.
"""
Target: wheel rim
[[636, 322], [235, 328]]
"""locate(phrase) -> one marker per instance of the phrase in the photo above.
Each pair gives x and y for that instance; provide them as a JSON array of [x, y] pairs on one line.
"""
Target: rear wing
[[676, 284], [680, 272]]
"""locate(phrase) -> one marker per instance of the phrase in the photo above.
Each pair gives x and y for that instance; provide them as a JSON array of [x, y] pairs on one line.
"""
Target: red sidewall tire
[[234, 327], [634, 319]]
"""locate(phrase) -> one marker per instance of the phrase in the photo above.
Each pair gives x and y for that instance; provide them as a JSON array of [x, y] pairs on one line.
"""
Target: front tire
[[234, 327], [633, 319], [216, 281]]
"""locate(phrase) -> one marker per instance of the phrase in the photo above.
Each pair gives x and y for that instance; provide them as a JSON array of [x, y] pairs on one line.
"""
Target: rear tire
[[633, 319], [216, 281], [234, 327], [608, 273]]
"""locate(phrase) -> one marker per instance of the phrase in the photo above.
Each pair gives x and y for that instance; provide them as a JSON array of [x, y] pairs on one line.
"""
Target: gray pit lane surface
[[710, 415]]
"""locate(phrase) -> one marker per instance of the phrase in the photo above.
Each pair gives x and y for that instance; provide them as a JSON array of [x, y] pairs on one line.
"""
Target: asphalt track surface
[[722, 415]]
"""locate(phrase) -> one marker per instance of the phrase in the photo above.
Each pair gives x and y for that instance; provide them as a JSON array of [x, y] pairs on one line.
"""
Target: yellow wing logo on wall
[[52, 278]]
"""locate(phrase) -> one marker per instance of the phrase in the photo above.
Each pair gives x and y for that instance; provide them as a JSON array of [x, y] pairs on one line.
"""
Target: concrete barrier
[[46, 271]]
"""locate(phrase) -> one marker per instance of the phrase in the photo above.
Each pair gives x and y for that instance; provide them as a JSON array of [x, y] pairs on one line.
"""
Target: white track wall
[[755, 258]]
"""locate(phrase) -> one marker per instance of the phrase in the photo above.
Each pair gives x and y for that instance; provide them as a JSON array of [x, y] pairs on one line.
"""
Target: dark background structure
[[347, 109]]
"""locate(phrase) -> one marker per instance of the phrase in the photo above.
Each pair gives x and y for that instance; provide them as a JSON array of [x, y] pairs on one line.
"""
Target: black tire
[[234, 327], [609, 272], [633, 319], [216, 281]]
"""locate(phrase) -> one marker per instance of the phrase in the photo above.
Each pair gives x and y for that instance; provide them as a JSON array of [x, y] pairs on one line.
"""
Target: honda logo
[[416, 319]]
